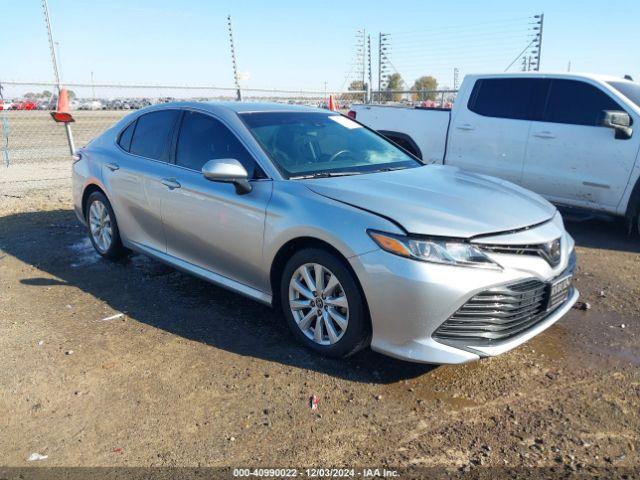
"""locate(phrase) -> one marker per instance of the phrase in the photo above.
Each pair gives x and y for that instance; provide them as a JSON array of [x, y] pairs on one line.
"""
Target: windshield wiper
[[390, 169], [325, 175]]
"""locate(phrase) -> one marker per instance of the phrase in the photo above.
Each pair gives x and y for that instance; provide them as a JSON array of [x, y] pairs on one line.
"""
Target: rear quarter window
[[125, 137]]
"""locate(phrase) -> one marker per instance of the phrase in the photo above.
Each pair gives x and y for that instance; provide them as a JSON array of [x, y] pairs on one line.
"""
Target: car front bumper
[[408, 300]]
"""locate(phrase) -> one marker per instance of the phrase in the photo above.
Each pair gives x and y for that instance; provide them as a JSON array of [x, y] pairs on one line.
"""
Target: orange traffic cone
[[63, 101], [62, 114], [332, 105]]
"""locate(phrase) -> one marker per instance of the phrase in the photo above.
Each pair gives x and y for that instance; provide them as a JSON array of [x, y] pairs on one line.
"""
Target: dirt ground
[[136, 364]]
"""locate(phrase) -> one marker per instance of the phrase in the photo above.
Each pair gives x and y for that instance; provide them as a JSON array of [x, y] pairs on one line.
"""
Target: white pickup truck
[[567, 137]]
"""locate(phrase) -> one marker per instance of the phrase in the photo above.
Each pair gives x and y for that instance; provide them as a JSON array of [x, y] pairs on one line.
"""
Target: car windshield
[[628, 89], [304, 144]]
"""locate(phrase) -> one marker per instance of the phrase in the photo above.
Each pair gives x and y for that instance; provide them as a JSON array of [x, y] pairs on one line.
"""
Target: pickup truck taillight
[[351, 114]]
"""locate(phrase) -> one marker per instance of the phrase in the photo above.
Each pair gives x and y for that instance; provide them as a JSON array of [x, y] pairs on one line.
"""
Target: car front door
[[134, 177], [490, 135], [571, 158], [208, 224]]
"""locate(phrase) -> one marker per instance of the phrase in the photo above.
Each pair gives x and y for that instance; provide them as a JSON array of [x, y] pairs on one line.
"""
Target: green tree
[[355, 86], [71, 94], [426, 82], [394, 84]]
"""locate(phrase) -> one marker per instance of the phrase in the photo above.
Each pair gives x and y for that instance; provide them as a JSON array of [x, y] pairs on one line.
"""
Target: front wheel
[[323, 305]]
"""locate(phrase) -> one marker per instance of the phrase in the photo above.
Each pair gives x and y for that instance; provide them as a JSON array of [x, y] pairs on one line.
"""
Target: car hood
[[439, 200]]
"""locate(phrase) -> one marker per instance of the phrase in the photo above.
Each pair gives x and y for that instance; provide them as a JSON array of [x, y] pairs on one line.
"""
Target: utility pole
[[233, 61], [456, 80], [93, 87], [538, 52], [569, 66], [370, 85], [383, 47], [56, 71]]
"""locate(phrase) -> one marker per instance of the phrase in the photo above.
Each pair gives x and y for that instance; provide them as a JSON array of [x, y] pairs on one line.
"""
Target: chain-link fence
[[29, 134], [36, 149]]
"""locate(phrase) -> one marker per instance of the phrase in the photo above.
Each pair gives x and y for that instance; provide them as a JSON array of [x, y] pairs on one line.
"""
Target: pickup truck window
[[628, 89], [513, 98], [577, 103]]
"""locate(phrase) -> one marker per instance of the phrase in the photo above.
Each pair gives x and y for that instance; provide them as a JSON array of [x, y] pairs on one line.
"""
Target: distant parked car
[[92, 105], [24, 105]]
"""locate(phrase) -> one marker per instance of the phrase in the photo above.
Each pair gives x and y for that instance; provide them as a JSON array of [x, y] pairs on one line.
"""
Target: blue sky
[[296, 44]]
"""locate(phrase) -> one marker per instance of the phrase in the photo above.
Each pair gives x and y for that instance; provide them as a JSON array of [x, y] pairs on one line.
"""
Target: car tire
[[335, 304], [103, 228]]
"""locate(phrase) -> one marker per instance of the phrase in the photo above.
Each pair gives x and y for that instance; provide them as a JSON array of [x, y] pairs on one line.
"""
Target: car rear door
[[490, 135], [207, 223], [134, 177], [571, 158]]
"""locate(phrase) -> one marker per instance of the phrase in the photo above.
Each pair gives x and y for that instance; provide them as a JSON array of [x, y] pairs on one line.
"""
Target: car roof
[[243, 107]]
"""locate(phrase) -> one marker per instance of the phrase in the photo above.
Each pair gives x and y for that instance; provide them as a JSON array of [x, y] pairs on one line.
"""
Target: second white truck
[[568, 137]]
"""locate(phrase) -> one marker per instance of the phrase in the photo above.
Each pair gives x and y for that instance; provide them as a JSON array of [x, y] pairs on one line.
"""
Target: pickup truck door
[[489, 135], [571, 159]]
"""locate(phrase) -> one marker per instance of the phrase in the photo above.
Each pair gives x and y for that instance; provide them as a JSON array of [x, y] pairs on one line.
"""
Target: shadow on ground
[[606, 233], [157, 295]]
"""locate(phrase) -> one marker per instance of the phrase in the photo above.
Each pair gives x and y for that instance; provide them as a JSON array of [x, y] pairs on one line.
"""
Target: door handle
[[170, 183], [466, 126], [112, 166], [544, 135]]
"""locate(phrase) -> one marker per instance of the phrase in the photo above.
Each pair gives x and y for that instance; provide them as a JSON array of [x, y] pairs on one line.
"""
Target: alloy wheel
[[318, 303], [100, 226]]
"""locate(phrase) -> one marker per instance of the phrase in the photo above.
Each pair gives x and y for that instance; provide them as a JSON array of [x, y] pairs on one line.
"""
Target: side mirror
[[227, 170], [618, 120]]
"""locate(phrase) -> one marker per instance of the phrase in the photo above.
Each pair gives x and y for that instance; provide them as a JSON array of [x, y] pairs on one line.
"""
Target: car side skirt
[[202, 273]]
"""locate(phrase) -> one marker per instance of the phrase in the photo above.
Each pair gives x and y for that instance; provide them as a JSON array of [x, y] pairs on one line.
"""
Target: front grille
[[549, 251], [500, 313]]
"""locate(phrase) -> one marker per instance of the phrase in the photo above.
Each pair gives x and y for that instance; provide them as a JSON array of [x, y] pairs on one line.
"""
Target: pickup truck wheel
[[322, 303]]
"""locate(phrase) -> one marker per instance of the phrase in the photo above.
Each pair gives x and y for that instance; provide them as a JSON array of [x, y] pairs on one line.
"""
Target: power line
[[464, 26]]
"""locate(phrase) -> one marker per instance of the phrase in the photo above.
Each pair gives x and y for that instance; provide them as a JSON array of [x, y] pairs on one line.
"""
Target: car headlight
[[434, 250]]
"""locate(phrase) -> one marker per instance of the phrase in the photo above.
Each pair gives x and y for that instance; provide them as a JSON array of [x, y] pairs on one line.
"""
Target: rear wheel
[[322, 303], [103, 228]]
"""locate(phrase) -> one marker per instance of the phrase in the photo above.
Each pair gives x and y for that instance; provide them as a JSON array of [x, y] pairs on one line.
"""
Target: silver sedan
[[354, 239]]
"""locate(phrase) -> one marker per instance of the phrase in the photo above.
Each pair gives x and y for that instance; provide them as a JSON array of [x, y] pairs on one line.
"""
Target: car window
[[126, 135], [628, 89], [514, 98], [577, 103], [304, 143], [153, 134], [203, 138]]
